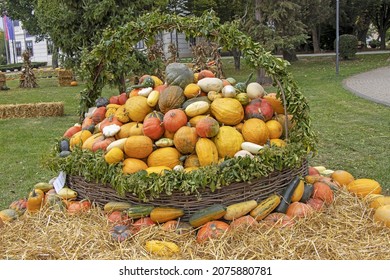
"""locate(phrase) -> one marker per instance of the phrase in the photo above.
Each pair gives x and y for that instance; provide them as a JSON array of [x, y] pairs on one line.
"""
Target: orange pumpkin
[[255, 131], [212, 229], [185, 139], [323, 192], [98, 114], [205, 74], [342, 177], [299, 210], [244, 222], [102, 144], [316, 203], [275, 102], [278, 220], [138, 146], [153, 128], [174, 119], [142, 223], [72, 130], [118, 218]]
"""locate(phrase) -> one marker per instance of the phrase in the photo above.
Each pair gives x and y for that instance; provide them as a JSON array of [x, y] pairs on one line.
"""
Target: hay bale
[[3, 80], [344, 231], [33, 110], [65, 77]]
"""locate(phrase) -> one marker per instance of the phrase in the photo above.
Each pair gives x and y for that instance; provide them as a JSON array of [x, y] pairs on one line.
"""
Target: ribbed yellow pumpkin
[[206, 151], [228, 111], [137, 108], [168, 156], [364, 187], [256, 131], [133, 165], [228, 141]]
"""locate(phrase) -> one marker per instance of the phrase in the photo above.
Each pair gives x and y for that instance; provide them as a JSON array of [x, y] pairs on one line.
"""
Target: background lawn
[[353, 133]]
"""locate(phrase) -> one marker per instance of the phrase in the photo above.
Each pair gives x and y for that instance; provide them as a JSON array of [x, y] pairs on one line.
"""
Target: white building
[[40, 51]]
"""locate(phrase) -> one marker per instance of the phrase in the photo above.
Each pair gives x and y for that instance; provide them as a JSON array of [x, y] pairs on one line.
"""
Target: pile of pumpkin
[[191, 120]]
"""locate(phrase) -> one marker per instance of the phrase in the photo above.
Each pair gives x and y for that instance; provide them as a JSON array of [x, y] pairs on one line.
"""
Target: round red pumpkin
[[212, 229], [323, 192], [153, 128], [279, 220], [174, 119], [141, 223], [259, 108], [316, 203], [207, 127], [244, 222], [299, 210]]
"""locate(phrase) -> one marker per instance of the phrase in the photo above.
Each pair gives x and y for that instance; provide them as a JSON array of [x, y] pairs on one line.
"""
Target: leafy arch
[[112, 52]]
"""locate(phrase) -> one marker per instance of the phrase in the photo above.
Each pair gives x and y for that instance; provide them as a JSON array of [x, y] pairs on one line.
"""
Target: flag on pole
[[8, 28]]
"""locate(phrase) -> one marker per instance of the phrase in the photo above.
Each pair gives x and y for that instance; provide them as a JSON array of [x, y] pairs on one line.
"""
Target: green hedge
[[19, 66]]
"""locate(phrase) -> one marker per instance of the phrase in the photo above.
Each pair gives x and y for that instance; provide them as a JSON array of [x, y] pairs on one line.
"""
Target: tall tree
[[381, 19], [315, 13]]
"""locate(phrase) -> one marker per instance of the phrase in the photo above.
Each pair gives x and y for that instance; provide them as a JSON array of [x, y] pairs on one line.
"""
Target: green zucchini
[[213, 212], [139, 211], [286, 195]]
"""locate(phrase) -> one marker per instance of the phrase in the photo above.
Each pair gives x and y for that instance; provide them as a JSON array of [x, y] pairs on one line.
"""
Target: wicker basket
[[258, 189]]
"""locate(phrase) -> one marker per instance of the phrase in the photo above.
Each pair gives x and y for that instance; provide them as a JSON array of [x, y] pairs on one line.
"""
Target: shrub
[[348, 45], [19, 66]]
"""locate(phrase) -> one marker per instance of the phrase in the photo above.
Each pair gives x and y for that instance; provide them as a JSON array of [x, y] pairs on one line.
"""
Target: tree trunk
[[54, 57], [237, 58], [122, 84], [382, 35], [289, 55], [316, 43], [262, 77]]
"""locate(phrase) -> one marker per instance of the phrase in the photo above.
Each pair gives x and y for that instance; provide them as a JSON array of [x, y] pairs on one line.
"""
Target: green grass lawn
[[353, 133]]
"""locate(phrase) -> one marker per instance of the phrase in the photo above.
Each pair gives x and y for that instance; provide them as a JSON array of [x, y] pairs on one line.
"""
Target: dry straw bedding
[[32, 110], [345, 231]]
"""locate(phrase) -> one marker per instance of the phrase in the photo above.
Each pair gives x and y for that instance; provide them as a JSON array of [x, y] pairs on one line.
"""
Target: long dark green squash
[[285, 200]]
